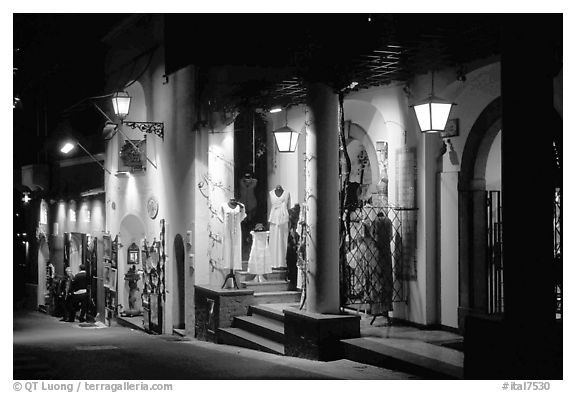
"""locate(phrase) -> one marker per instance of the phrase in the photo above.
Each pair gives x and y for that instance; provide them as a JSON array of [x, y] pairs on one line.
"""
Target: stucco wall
[[173, 182]]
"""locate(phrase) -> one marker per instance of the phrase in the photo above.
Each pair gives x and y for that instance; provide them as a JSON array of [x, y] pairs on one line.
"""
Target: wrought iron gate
[[154, 292], [380, 257], [494, 252], [558, 251], [92, 272]]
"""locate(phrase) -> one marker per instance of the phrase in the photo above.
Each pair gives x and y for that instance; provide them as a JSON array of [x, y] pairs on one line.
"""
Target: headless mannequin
[[232, 203], [278, 219], [247, 196], [259, 277]]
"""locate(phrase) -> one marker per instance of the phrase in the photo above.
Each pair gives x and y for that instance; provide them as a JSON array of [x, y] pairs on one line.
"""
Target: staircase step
[[418, 358], [277, 297], [266, 286], [266, 312], [244, 275], [245, 339], [269, 328]]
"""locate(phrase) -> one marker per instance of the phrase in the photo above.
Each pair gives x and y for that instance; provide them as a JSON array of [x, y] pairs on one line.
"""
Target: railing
[[558, 251], [494, 252]]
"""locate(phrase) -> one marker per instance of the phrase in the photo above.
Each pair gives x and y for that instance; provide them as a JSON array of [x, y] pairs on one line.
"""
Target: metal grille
[[373, 273], [494, 253], [558, 251], [154, 292]]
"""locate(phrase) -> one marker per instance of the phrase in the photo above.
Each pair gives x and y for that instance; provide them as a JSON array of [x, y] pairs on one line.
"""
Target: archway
[[178, 300], [131, 232], [474, 271], [75, 258]]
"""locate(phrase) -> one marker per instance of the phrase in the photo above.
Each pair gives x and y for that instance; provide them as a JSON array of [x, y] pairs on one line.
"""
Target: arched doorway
[[129, 295], [76, 252], [480, 265], [178, 300]]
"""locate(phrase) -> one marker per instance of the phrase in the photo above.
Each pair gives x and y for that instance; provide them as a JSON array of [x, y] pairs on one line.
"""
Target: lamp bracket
[[147, 127]]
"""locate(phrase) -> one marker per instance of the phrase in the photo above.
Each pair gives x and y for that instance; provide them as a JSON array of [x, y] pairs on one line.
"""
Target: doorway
[[481, 265], [178, 300]]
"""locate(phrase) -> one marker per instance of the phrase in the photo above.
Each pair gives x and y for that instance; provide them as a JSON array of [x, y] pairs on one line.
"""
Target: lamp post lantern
[[433, 112], [121, 104], [286, 139]]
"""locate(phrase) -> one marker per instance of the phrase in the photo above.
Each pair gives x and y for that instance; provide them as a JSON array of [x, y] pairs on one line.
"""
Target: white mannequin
[[278, 219]]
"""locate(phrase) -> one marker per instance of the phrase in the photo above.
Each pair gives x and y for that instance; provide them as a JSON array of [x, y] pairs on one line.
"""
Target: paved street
[[45, 348]]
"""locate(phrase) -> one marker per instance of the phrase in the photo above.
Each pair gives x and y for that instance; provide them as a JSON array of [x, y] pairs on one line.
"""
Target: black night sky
[[58, 61]]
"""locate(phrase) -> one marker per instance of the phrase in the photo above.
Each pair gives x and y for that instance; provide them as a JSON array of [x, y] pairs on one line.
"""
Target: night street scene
[[305, 196]]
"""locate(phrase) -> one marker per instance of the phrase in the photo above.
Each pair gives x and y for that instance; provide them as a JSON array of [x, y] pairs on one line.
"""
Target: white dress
[[232, 236], [279, 227], [259, 261]]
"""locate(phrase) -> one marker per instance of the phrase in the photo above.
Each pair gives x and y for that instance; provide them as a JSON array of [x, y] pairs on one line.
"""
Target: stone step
[[418, 358], [277, 297], [274, 276], [245, 339], [271, 329], [266, 286], [267, 312]]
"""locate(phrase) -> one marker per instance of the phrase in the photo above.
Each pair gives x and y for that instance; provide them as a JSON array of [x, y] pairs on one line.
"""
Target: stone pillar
[[322, 190]]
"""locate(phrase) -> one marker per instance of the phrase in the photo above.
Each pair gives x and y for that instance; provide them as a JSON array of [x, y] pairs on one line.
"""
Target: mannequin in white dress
[[259, 262], [233, 212], [278, 219]]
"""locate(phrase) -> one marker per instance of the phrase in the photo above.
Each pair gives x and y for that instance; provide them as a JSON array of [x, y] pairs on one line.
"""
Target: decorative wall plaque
[[152, 207], [132, 154]]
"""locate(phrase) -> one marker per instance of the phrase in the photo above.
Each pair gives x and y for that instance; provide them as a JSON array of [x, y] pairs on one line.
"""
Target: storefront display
[[154, 291], [110, 279], [233, 213], [259, 262], [278, 219], [247, 196]]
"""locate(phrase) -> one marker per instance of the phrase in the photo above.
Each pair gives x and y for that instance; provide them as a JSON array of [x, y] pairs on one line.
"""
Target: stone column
[[322, 190]]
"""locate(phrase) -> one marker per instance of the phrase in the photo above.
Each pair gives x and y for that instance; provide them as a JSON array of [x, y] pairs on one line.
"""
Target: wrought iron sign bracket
[[147, 127]]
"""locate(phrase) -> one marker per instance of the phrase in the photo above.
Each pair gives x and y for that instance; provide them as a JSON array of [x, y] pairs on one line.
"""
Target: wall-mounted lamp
[[26, 198], [433, 112], [121, 104], [286, 138], [70, 145], [275, 110]]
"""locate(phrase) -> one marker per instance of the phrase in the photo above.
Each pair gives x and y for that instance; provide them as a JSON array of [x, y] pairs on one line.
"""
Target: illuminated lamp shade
[[286, 139], [121, 104], [432, 114], [67, 147]]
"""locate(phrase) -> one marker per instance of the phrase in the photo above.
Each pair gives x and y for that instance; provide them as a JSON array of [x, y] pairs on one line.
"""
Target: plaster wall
[[494, 165], [171, 183], [219, 185]]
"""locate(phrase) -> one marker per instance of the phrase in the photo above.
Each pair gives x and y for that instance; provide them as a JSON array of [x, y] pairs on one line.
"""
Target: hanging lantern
[[121, 104], [286, 139], [433, 112]]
